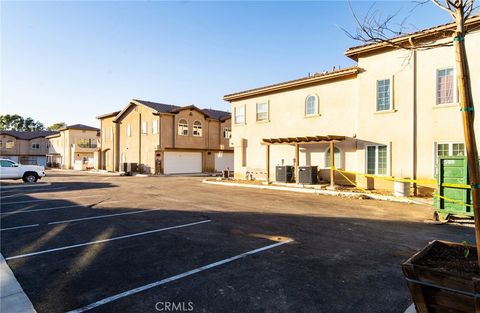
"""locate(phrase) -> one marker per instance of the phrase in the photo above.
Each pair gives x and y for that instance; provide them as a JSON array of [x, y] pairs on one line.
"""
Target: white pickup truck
[[12, 170]]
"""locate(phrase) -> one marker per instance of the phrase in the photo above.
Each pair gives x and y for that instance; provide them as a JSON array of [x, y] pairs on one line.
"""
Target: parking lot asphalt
[[96, 243]]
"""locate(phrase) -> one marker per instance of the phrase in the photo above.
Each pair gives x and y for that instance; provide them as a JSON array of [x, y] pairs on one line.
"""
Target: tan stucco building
[[165, 139], [74, 147], [397, 110], [25, 147]]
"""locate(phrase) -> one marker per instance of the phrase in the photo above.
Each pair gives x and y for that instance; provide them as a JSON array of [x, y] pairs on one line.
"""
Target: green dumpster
[[453, 195]]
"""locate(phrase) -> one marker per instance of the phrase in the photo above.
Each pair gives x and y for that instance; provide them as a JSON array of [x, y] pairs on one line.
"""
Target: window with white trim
[[144, 127], [377, 159], [445, 86], [154, 127], [197, 129], [311, 105], [240, 114], [183, 127], [111, 133], [227, 133], [336, 158], [10, 144], [262, 111], [129, 130], [384, 95]]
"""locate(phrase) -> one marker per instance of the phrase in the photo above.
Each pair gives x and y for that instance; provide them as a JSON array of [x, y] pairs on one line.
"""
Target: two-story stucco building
[[391, 114], [25, 147], [165, 139], [73, 147]]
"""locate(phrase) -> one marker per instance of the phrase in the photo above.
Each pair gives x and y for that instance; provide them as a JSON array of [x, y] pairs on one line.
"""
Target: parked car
[[28, 173]]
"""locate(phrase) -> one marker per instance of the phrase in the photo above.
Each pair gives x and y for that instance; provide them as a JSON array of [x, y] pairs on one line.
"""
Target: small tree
[[57, 126], [374, 30]]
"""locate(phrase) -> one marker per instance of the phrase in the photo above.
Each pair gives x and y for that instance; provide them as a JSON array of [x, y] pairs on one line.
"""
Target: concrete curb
[[345, 194], [12, 297], [25, 185]]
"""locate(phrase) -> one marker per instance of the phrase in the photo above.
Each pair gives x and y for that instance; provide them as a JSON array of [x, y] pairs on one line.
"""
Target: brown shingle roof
[[79, 126], [28, 135]]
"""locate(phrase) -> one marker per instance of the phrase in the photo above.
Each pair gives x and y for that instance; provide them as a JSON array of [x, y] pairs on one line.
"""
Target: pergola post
[[332, 164], [297, 161], [268, 163]]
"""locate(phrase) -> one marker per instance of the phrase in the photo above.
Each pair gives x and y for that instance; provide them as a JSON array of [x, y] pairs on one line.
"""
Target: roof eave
[[291, 84], [355, 51]]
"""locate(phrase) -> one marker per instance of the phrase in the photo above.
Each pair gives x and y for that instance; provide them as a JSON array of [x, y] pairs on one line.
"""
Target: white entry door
[[182, 162], [223, 160]]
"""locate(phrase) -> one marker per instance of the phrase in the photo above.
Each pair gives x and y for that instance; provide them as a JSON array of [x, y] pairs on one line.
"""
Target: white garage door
[[182, 162], [223, 160]]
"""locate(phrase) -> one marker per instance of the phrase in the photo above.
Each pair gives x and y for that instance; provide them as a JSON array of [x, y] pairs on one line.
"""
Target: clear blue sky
[[72, 61]]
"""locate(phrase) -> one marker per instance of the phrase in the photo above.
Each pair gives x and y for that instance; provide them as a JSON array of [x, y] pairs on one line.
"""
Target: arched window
[[337, 158], [183, 127], [311, 105], [197, 129]]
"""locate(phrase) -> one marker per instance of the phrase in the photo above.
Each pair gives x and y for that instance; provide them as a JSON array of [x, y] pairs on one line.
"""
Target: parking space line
[[105, 240], [39, 200], [60, 207], [100, 216], [19, 227], [176, 277], [31, 192]]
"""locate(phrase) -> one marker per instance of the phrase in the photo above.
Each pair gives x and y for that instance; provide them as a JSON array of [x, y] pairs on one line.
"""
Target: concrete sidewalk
[[12, 297]]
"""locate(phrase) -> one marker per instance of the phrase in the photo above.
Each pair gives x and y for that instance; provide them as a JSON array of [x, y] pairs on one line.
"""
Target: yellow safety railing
[[419, 182]]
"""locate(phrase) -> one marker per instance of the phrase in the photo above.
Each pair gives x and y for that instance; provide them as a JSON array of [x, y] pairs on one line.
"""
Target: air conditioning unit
[[307, 175], [284, 174]]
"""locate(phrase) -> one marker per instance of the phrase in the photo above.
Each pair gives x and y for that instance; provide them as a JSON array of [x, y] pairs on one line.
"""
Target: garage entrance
[[180, 162]]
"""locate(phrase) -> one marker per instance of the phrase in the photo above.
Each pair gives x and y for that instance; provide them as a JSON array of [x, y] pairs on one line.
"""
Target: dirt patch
[[451, 259]]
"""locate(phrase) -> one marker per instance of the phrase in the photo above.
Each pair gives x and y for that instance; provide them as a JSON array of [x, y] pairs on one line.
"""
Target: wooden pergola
[[297, 141]]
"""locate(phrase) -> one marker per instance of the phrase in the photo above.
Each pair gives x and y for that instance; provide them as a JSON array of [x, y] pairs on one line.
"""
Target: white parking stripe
[[60, 207], [32, 192], [100, 216], [19, 227], [104, 240], [173, 278], [59, 199]]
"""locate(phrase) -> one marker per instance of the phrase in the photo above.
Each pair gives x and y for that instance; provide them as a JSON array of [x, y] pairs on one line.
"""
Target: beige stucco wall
[[348, 107], [67, 146], [148, 149], [108, 145], [23, 147], [287, 119]]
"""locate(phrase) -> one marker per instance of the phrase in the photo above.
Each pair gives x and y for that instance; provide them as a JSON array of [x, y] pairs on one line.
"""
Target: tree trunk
[[466, 104]]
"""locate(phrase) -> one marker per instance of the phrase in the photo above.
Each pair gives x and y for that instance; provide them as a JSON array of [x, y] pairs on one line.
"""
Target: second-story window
[[227, 133], [35, 146], [144, 127], [183, 127], [154, 127], [311, 105], [1, 144], [197, 129], [111, 133], [103, 135], [240, 114], [10, 144], [445, 86], [384, 99], [129, 130], [262, 111]]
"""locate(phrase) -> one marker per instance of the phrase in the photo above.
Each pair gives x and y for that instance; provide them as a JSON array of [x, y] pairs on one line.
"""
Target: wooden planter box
[[438, 291]]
